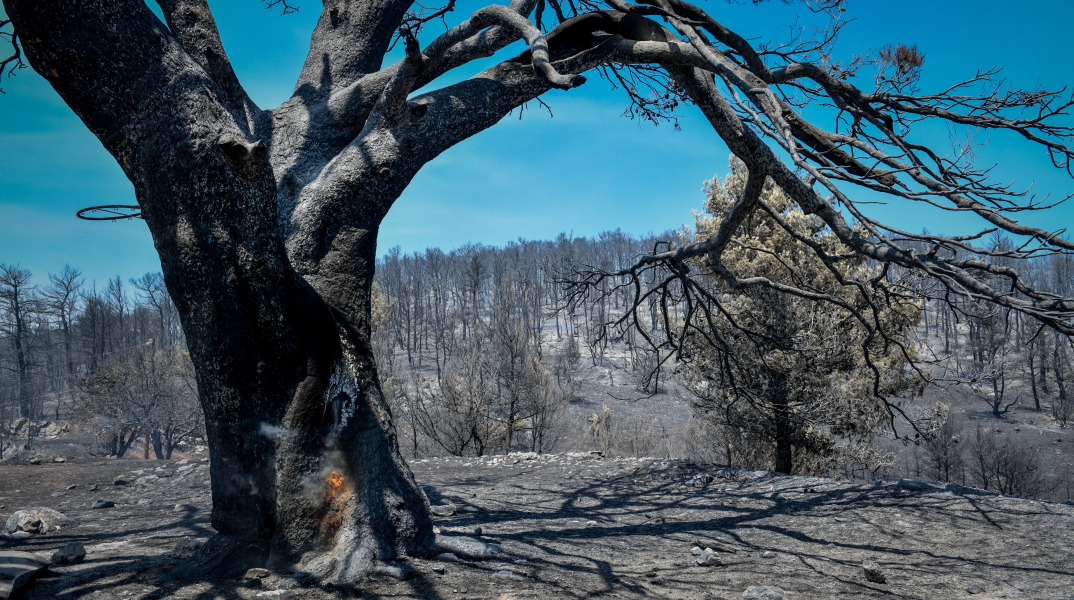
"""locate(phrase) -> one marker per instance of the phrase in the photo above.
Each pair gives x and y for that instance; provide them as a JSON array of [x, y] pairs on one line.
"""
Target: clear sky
[[584, 170]]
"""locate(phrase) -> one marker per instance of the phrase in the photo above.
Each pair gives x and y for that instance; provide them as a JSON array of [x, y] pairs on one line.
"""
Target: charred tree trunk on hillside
[[304, 461]]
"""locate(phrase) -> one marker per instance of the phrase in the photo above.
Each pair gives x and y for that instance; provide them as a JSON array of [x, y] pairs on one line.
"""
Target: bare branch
[[286, 7], [14, 62]]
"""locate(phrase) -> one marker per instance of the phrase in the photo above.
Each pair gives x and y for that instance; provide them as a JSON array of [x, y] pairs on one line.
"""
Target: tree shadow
[[654, 520], [630, 532]]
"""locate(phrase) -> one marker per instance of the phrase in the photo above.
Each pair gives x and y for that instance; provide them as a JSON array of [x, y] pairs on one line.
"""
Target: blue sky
[[584, 170]]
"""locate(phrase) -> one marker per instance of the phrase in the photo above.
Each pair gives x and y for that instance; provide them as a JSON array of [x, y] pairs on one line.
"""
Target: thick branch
[[349, 42], [193, 25]]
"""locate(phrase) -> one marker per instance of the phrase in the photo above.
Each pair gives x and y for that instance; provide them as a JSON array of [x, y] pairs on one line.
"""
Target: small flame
[[335, 500], [334, 484]]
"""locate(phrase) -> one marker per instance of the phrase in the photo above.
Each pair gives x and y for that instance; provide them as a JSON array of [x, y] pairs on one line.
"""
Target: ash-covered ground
[[581, 526]]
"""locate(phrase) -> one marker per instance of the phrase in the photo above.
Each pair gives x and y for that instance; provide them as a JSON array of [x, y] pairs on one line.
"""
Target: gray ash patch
[[579, 525]]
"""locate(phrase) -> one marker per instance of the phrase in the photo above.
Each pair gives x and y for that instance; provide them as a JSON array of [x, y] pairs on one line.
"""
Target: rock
[[841, 519], [95, 488], [696, 551], [768, 554], [37, 520], [17, 569], [478, 531], [439, 569], [121, 480], [915, 485], [276, 594], [872, 572], [35, 461], [399, 572], [709, 558], [505, 574], [253, 577], [443, 510], [184, 548], [69, 554], [447, 557], [763, 592], [468, 548], [102, 504], [974, 589], [59, 459], [71, 487], [21, 535], [967, 490]]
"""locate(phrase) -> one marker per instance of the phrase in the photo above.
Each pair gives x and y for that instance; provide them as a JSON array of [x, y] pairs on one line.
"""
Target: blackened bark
[[158, 445], [1033, 375], [304, 460], [784, 437]]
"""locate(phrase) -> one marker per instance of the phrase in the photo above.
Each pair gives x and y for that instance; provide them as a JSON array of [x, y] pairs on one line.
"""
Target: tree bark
[[303, 455], [784, 434]]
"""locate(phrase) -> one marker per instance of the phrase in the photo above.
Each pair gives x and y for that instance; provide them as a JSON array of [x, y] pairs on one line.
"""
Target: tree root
[[221, 557]]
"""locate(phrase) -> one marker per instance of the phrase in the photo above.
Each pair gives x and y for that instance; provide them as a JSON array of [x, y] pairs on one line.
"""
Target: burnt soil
[[581, 526]]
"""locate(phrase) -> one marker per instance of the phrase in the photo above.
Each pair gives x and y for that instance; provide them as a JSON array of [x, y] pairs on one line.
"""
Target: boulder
[[872, 572], [763, 592], [253, 577], [443, 510], [17, 569], [916, 485], [69, 554], [466, 548], [37, 520], [709, 558]]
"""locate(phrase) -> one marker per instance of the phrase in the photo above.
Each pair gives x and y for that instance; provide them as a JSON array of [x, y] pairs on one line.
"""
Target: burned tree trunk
[[304, 461]]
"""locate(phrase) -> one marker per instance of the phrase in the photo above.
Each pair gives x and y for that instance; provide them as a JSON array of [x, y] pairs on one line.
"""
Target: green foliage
[[794, 379]]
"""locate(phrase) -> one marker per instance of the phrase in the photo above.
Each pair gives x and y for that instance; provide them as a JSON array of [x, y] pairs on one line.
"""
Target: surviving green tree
[[784, 375]]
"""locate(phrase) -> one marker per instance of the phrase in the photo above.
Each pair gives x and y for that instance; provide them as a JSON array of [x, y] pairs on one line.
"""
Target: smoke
[[271, 431]]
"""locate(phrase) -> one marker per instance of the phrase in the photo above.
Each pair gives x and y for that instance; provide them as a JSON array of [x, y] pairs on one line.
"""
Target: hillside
[[582, 526]]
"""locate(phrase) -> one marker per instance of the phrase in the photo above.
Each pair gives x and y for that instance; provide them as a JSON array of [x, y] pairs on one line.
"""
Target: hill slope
[[577, 526]]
